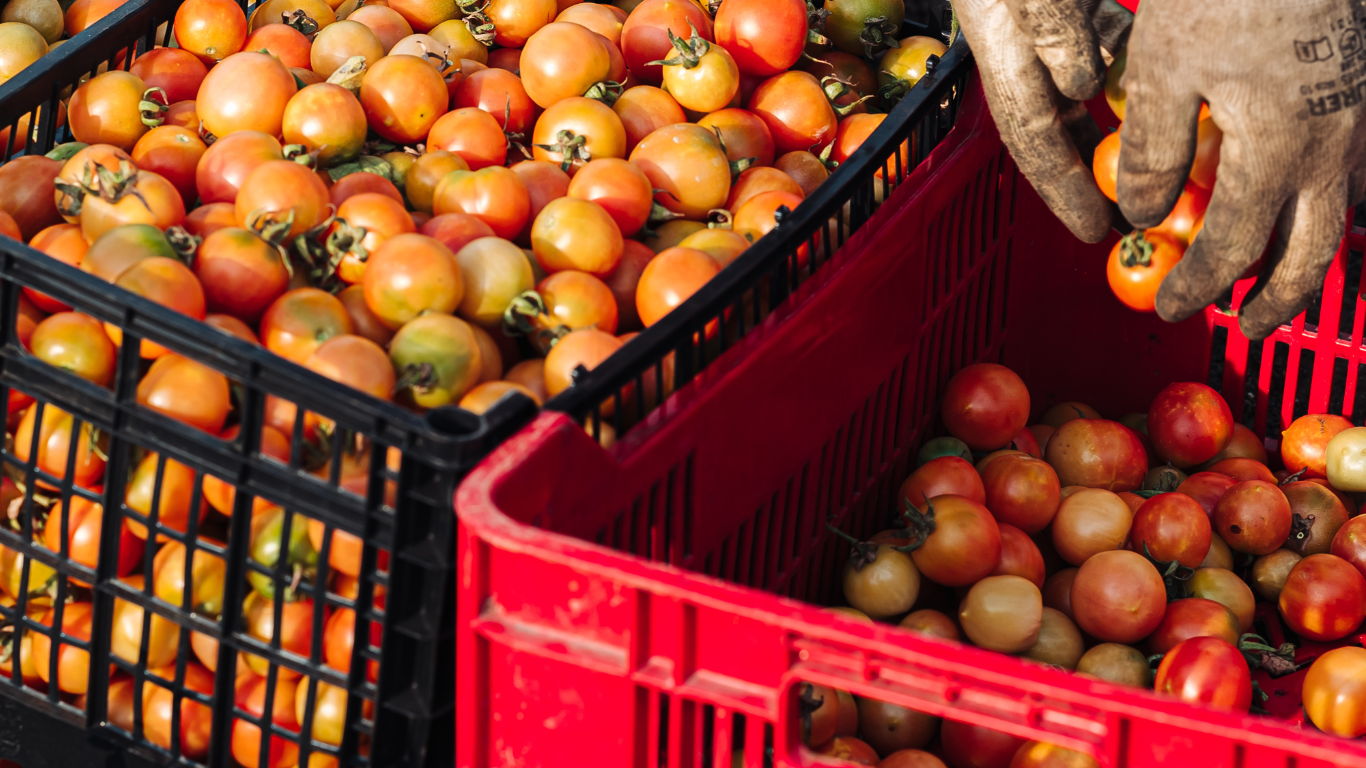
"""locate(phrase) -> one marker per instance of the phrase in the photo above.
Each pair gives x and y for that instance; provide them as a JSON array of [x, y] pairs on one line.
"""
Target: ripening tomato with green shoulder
[[169, 283], [300, 320], [700, 75], [858, 26], [437, 359]]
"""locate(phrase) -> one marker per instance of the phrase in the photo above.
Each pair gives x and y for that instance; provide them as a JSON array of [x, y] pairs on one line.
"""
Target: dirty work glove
[[1285, 81], [1038, 60]]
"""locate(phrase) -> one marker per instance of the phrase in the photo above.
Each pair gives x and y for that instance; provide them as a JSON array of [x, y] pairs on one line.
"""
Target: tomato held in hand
[[1206, 670], [1105, 165], [985, 405], [1189, 423], [1138, 264]]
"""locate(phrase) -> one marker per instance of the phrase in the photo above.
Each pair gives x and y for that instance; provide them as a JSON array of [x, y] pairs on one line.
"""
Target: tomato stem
[[607, 91], [878, 32], [569, 146], [1135, 250], [301, 21], [690, 51], [152, 110], [861, 553], [349, 74], [1174, 575], [919, 525]]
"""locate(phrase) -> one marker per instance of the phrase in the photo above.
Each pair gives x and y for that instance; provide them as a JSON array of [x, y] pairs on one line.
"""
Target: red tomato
[[645, 35], [620, 188], [471, 133], [1324, 598], [744, 134], [1020, 556], [645, 109], [796, 110], [456, 230], [228, 162], [1208, 142], [173, 153], [1193, 617], [247, 91], [282, 41], [403, 97], [1118, 597], [985, 405], [211, 29], [1207, 488], [1206, 670], [765, 36], [1254, 517], [939, 477], [1171, 526], [361, 183], [564, 60], [496, 196], [976, 746], [1189, 423], [1241, 469], [1189, 211], [1021, 491], [501, 94], [965, 545], [177, 72]]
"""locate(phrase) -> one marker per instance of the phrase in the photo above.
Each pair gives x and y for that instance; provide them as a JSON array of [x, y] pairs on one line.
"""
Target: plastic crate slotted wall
[[1313, 365], [784, 546]]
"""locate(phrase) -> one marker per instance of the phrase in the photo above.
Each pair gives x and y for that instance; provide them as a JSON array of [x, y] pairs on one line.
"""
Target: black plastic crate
[[667, 355], [150, 469], [399, 509]]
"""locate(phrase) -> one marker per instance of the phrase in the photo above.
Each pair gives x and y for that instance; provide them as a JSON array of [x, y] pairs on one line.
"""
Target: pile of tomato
[[1140, 261], [1131, 551], [387, 192]]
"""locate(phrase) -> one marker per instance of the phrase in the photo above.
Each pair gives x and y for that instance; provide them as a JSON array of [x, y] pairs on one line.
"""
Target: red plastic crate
[[656, 604]]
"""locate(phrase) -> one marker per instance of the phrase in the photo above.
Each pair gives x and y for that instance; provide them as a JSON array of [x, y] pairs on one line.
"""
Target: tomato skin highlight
[[1334, 691], [1189, 423]]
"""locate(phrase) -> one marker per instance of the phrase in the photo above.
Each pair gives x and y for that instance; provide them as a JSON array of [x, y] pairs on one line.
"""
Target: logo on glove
[[1314, 50]]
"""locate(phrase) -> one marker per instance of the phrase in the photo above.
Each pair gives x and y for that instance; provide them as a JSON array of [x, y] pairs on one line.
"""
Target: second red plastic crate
[[656, 604]]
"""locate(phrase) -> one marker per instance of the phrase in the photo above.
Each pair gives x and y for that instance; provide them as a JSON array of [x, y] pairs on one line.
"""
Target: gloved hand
[[1285, 81], [1038, 60]]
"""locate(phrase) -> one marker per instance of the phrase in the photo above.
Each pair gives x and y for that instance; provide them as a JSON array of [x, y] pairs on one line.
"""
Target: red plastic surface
[[656, 604]]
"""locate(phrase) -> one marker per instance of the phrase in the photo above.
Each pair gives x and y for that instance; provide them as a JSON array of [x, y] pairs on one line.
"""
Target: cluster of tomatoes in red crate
[[1132, 551]]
